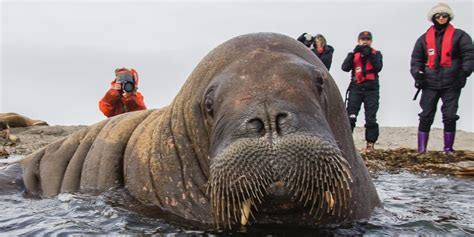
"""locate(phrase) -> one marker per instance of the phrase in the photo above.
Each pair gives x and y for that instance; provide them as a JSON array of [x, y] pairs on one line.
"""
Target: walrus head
[[275, 121]]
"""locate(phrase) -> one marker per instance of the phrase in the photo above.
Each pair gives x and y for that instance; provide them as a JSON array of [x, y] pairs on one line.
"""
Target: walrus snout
[[296, 173]]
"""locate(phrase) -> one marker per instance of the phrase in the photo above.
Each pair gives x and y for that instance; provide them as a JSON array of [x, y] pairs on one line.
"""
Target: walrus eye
[[209, 105], [319, 80], [319, 83]]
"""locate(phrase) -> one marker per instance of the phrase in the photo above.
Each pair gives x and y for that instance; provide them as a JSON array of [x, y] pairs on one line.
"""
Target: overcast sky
[[58, 58]]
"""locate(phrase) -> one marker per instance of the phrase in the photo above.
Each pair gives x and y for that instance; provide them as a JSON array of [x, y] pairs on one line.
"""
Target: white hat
[[440, 8]]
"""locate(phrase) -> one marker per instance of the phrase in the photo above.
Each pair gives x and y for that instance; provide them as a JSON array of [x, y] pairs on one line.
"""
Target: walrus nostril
[[256, 126], [280, 122]]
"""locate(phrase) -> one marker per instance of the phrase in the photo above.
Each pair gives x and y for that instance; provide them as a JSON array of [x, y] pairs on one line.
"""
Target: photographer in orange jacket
[[123, 96]]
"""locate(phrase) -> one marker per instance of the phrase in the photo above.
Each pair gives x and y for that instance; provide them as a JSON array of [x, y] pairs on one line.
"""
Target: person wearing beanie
[[323, 50], [365, 63], [441, 61]]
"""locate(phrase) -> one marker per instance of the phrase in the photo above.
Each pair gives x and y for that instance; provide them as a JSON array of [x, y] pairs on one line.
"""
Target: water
[[414, 204]]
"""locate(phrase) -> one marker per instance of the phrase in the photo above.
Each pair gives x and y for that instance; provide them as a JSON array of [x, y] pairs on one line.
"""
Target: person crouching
[[123, 96]]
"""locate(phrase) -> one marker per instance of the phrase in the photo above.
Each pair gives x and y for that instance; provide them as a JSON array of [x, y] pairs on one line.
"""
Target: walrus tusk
[[329, 199], [244, 219]]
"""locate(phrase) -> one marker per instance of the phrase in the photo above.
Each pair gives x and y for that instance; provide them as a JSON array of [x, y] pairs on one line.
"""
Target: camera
[[127, 82], [306, 39]]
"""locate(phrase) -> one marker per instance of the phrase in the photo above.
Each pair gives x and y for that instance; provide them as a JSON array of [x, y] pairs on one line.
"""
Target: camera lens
[[128, 87]]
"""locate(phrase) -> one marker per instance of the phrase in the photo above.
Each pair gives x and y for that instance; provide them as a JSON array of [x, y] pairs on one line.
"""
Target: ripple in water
[[413, 205]]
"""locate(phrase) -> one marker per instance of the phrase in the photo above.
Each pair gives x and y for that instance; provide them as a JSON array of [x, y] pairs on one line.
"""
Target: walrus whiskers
[[319, 179]]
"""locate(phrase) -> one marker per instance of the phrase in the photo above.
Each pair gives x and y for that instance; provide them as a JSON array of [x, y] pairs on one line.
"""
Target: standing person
[[441, 60], [306, 39], [123, 96], [365, 63], [323, 50]]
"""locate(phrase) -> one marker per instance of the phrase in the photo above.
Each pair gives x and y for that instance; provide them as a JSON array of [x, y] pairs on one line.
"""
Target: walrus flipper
[[104, 162], [44, 169], [76, 162], [140, 160]]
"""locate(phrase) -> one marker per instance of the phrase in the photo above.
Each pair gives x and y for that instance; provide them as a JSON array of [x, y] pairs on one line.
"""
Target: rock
[[13, 138], [35, 137], [3, 153], [4, 134]]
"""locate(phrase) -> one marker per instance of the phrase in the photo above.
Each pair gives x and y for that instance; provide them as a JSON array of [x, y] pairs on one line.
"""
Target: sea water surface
[[414, 204]]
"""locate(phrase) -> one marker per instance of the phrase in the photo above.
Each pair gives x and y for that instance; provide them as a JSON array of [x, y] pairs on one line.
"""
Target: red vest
[[446, 47], [359, 76]]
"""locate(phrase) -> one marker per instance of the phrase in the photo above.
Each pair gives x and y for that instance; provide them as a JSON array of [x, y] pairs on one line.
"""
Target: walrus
[[258, 134], [14, 120]]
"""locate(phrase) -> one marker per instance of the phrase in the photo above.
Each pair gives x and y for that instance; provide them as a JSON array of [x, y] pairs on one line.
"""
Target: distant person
[[322, 50], [441, 60], [306, 39], [123, 96], [364, 63]]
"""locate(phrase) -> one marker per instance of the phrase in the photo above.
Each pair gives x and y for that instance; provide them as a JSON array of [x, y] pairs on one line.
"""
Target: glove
[[462, 79], [366, 51], [462, 84], [465, 74], [306, 39], [420, 75], [357, 48], [420, 82]]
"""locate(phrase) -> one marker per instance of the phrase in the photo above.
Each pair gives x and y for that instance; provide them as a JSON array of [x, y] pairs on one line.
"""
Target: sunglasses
[[441, 15]]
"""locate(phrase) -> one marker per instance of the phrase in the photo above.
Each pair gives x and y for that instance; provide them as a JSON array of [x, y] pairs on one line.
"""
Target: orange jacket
[[113, 103]]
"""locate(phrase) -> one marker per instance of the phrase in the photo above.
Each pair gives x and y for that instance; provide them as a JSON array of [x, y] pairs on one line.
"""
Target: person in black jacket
[[441, 60], [365, 63], [322, 50]]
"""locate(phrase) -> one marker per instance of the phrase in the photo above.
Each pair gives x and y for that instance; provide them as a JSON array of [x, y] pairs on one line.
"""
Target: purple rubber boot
[[422, 141], [448, 142]]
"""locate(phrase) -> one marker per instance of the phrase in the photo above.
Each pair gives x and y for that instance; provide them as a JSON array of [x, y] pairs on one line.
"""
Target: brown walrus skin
[[259, 126]]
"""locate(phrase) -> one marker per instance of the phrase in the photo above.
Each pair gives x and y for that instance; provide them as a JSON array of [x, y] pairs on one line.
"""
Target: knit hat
[[440, 8]]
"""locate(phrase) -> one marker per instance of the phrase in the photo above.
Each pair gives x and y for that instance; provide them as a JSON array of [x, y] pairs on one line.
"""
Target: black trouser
[[370, 98], [429, 101]]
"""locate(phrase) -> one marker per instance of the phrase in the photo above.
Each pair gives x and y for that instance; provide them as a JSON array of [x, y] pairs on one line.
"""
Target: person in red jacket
[[122, 96]]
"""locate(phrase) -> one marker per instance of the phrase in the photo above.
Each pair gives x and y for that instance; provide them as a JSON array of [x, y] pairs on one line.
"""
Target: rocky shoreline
[[31, 139], [395, 151], [460, 163]]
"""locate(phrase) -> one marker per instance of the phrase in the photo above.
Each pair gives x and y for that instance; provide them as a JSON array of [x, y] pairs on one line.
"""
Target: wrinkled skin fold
[[258, 134]]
